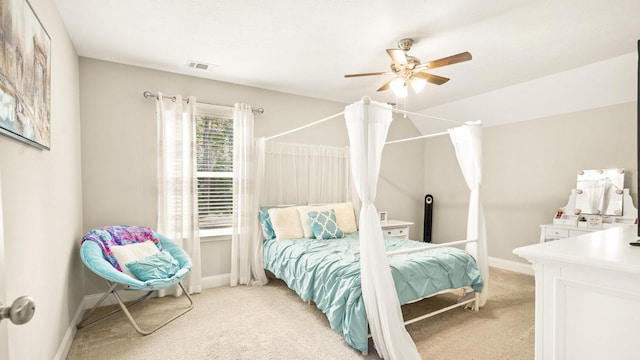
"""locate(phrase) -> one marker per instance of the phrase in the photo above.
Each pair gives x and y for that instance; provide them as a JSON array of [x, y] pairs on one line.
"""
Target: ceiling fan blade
[[434, 79], [385, 86], [368, 74], [398, 56], [449, 60]]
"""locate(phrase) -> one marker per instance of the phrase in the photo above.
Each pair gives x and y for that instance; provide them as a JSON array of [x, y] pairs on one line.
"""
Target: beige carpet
[[271, 322]]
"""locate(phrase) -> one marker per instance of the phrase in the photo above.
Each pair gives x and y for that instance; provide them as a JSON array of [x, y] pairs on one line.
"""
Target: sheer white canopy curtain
[[367, 124], [177, 182], [467, 141], [246, 242], [301, 173]]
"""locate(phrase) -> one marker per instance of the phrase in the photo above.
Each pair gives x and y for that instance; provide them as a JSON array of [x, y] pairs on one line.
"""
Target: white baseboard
[[88, 302], [67, 340], [209, 282], [523, 268]]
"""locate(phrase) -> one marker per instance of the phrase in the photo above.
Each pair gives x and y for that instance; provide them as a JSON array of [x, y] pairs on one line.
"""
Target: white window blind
[[214, 148]]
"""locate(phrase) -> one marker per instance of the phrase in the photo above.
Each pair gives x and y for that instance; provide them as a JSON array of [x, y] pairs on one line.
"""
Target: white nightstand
[[396, 228]]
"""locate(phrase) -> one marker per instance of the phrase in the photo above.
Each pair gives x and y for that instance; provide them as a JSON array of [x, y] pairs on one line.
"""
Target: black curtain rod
[[149, 95]]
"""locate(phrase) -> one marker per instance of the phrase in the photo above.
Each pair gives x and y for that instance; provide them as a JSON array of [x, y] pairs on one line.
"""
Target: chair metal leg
[[112, 286], [147, 332], [123, 307]]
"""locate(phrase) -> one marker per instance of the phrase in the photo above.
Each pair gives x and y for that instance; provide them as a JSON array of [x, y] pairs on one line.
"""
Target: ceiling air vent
[[191, 64]]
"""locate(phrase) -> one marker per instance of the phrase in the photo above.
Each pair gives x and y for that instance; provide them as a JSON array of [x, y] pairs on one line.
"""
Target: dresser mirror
[[599, 192], [598, 202]]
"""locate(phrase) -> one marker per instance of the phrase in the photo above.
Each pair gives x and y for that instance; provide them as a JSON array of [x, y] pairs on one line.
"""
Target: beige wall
[[42, 208], [529, 170], [400, 185], [119, 151]]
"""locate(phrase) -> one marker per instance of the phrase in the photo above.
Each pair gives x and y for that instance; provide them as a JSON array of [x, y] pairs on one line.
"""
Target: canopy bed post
[[467, 141], [367, 126]]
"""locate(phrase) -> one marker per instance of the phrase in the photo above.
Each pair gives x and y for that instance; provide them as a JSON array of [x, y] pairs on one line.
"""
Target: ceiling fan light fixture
[[408, 70], [418, 84], [399, 87]]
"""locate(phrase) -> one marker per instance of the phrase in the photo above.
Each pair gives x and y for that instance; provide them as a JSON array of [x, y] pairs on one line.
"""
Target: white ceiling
[[305, 47]]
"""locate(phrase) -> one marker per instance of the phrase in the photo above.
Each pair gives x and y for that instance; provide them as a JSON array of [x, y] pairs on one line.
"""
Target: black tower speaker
[[428, 218]]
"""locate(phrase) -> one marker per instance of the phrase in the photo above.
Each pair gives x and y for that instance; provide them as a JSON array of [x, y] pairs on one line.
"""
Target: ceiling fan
[[409, 71]]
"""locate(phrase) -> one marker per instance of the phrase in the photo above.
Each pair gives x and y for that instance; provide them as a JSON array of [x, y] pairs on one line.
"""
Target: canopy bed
[[356, 272]]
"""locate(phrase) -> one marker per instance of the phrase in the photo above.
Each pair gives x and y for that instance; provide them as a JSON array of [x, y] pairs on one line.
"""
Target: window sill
[[209, 235]]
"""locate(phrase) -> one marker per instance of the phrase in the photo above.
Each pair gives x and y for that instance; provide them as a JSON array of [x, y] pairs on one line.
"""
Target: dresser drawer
[[556, 233], [578, 232]]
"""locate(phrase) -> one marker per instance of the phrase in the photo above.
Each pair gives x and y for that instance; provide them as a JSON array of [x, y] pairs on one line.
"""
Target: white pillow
[[286, 223], [345, 216], [125, 254]]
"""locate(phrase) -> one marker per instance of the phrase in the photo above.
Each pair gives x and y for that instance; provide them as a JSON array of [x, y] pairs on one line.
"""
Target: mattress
[[327, 272]]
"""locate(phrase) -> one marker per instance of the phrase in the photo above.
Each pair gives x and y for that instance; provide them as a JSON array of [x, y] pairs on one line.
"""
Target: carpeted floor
[[271, 322]]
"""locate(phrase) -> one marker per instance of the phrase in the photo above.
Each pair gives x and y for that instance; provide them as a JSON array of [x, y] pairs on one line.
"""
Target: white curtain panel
[[467, 141], [299, 173], [246, 245], [177, 182], [367, 125]]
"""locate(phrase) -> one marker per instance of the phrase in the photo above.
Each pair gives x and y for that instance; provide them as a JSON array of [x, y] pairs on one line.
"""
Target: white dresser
[[396, 228], [587, 295], [569, 224], [550, 232]]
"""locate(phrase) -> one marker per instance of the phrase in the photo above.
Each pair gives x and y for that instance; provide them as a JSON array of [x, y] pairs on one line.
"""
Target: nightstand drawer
[[396, 228], [398, 232]]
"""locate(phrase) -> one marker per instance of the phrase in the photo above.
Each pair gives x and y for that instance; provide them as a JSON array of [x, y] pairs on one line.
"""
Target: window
[[214, 151]]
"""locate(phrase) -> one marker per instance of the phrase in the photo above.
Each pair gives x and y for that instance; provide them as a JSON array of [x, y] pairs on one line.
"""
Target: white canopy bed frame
[[367, 124]]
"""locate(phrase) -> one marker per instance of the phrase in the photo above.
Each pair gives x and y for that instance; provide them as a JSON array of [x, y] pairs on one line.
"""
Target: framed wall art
[[25, 75]]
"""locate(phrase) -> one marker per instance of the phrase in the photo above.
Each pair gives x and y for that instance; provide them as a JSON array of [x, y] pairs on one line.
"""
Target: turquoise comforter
[[327, 272]]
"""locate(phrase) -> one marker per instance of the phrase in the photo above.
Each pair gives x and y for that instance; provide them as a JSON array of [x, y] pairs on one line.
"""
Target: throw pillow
[[265, 223], [346, 216], [265, 220], [158, 266], [286, 223], [125, 254], [303, 212], [324, 225]]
